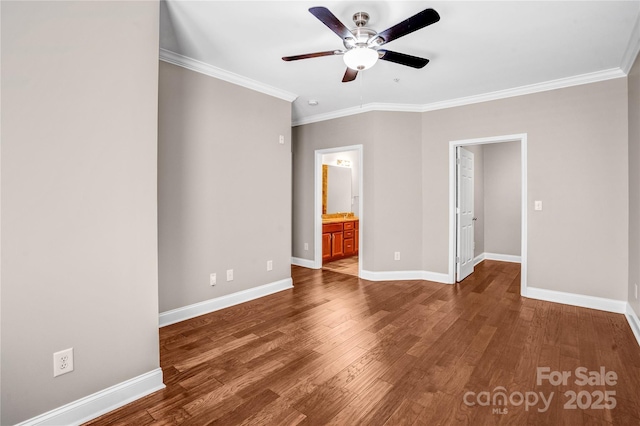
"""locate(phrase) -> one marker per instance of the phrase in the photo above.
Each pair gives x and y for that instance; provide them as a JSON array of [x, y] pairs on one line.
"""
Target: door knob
[[475, 218]]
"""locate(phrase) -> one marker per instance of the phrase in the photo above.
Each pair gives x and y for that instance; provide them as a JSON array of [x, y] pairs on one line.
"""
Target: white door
[[464, 214]]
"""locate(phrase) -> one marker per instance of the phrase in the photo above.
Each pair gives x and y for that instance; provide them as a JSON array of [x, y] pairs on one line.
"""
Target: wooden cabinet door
[[326, 246], [337, 248], [356, 242], [348, 247]]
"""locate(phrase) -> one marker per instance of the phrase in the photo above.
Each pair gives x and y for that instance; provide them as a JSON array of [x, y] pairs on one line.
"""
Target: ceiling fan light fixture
[[360, 58]]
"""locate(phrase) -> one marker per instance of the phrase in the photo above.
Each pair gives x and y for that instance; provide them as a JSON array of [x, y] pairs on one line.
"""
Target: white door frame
[[317, 208], [522, 138]]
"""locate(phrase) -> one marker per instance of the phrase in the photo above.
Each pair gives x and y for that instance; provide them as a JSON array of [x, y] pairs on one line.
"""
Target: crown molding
[[633, 47], [561, 83], [374, 106], [630, 54], [530, 89], [237, 79]]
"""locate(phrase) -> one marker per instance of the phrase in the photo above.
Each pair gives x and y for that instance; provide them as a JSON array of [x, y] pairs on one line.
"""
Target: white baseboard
[[633, 321], [101, 402], [180, 314], [404, 275], [390, 275], [436, 276], [502, 257], [573, 299], [306, 263], [479, 258]]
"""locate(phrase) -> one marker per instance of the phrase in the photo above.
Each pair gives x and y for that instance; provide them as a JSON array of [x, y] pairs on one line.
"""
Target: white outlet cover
[[212, 279], [229, 274], [63, 362], [269, 265]]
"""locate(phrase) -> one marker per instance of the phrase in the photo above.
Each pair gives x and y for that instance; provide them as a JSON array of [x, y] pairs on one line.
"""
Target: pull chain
[[361, 87]]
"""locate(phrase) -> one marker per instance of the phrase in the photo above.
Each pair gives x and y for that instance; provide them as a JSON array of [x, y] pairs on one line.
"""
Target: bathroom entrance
[[338, 209]]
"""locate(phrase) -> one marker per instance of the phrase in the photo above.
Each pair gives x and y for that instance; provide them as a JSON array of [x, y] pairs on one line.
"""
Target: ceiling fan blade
[[349, 75], [311, 55], [417, 21], [329, 19], [403, 59]]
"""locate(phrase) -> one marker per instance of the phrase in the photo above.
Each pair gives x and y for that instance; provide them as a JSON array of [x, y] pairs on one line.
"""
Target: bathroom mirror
[[336, 189]]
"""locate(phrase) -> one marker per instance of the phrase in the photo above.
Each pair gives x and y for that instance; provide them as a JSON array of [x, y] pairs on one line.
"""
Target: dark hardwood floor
[[348, 266], [339, 350]]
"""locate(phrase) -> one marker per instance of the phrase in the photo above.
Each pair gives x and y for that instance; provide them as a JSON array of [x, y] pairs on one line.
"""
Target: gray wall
[[577, 159], [391, 184], [305, 140], [224, 187], [634, 183], [502, 198], [79, 230], [497, 198], [577, 165]]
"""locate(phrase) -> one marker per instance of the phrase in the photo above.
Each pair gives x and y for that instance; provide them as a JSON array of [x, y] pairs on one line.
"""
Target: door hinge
[[457, 160], [457, 259]]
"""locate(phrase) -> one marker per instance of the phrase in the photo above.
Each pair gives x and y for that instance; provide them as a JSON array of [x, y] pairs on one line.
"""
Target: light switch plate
[[537, 205]]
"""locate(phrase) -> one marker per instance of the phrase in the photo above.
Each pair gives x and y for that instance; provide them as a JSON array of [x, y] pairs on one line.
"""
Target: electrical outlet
[[396, 256], [306, 246], [63, 362], [269, 265], [281, 140], [212, 279], [229, 274]]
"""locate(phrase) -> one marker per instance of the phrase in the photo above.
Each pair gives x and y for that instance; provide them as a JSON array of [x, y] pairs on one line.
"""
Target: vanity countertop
[[338, 218]]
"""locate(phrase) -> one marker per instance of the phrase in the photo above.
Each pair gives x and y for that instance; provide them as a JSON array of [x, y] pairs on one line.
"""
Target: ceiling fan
[[363, 44]]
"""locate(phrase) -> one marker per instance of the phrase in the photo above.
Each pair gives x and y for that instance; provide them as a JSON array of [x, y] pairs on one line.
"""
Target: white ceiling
[[476, 48]]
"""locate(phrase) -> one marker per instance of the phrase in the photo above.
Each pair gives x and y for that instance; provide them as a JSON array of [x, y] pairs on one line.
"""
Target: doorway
[[453, 202], [346, 264]]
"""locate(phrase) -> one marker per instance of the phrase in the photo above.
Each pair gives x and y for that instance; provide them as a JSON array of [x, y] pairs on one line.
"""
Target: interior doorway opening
[[456, 221], [337, 251]]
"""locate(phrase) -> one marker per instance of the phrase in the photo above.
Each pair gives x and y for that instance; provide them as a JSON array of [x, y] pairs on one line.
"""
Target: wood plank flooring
[[343, 351], [348, 266]]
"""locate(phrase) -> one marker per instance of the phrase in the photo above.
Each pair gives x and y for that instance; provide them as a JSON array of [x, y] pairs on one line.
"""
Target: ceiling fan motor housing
[[361, 51], [360, 18], [362, 37]]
